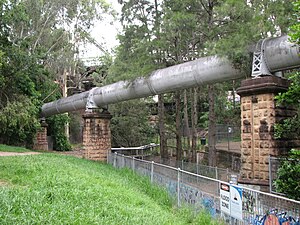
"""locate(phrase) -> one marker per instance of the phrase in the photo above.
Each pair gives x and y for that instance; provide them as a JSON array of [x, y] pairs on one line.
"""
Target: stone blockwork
[[259, 113], [40, 142], [96, 135]]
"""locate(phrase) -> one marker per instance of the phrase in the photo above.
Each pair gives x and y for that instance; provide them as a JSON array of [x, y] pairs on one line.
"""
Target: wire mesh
[[203, 192]]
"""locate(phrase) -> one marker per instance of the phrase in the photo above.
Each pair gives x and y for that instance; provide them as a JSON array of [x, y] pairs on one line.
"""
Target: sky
[[104, 33]]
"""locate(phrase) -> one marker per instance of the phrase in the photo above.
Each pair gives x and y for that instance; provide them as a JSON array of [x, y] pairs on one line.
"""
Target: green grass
[[6, 148], [56, 189]]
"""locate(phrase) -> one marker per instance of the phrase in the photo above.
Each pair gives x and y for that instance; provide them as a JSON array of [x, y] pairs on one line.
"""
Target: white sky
[[104, 33]]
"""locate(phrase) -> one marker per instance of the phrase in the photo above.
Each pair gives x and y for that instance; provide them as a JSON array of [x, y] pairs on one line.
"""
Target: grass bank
[[6, 148], [57, 189]]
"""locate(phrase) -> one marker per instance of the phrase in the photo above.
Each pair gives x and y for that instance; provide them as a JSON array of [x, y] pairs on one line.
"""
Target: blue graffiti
[[208, 204], [275, 218]]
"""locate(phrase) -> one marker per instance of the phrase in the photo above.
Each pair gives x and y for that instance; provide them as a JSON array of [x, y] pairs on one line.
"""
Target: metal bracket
[[90, 103], [259, 65]]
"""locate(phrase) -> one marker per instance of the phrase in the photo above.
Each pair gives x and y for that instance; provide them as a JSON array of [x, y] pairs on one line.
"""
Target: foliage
[[57, 130], [288, 176], [130, 124], [36, 190], [38, 43], [18, 122], [290, 128], [244, 23], [164, 33], [295, 29]]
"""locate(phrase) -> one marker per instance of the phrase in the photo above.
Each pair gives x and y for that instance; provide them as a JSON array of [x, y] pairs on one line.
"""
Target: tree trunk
[[194, 118], [65, 94], [186, 119], [212, 159], [162, 130], [178, 126]]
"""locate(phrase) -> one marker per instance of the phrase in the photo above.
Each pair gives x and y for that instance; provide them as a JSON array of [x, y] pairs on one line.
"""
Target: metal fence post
[[178, 187], [270, 174], [115, 160], [152, 169], [216, 168], [123, 159], [133, 164], [227, 174]]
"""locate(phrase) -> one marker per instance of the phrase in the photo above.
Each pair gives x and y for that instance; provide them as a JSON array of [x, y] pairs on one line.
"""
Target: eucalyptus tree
[[179, 35], [162, 33], [140, 52], [38, 43]]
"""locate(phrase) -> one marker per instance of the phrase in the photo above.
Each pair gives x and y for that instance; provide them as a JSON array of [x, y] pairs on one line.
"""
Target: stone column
[[40, 142], [259, 113], [96, 135]]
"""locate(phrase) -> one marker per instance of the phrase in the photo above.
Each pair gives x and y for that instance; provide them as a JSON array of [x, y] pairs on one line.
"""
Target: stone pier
[[40, 142], [259, 113], [96, 135]]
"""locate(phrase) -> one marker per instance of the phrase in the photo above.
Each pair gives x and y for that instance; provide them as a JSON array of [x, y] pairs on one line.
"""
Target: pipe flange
[[90, 103]]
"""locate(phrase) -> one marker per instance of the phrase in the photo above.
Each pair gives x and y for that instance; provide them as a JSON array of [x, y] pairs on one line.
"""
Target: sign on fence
[[236, 202], [231, 200], [225, 198]]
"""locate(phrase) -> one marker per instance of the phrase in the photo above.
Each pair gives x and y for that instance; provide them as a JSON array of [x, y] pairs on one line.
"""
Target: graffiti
[[275, 218], [248, 201], [188, 194], [209, 205], [172, 188]]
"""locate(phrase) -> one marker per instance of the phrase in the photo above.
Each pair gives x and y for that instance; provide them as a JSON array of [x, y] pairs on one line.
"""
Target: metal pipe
[[279, 55]]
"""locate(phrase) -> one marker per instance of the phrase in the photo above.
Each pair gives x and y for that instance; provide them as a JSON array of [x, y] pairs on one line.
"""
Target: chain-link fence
[[274, 165], [228, 137], [200, 169], [234, 203]]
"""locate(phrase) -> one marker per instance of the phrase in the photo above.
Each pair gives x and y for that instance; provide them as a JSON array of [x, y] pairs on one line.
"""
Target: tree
[[171, 32], [130, 124], [35, 47], [288, 178], [140, 52]]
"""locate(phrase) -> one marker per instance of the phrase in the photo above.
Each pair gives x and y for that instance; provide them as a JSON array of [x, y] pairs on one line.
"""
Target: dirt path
[[18, 153]]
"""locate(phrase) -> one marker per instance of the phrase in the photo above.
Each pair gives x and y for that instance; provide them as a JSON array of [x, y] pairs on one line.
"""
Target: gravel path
[[18, 153]]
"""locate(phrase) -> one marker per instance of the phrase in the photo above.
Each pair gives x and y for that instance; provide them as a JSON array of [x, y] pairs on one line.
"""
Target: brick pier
[[96, 135], [259, 113], [40, 142]]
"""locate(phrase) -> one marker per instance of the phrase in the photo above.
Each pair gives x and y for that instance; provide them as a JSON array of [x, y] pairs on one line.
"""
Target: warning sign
[[231, 200], [225, 198], [236, 203]]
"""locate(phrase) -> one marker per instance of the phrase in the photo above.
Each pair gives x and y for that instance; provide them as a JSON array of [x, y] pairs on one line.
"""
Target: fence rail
[[202, 192]]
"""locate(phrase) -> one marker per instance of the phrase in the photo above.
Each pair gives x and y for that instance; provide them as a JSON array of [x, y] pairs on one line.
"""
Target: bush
[[56, 129], [288, 178], [18, 122]]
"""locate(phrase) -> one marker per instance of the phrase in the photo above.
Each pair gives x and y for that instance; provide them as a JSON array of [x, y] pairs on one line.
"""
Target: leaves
[[18, 121], [38, 42], [288, 178]]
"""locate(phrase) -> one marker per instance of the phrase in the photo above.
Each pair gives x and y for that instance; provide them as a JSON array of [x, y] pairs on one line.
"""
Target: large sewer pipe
[[278, 55]]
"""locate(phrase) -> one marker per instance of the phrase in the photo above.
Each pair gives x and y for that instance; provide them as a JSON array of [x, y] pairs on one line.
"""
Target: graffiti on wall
[[248, 201], [273, 217], [189, 194]]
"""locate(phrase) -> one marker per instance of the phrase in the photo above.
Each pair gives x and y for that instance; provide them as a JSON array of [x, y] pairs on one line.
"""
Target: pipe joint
[[259, 64], [90, 103]]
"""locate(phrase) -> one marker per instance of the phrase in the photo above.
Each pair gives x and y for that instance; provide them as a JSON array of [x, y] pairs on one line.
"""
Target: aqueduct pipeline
[[274, 54], [259, 112]]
